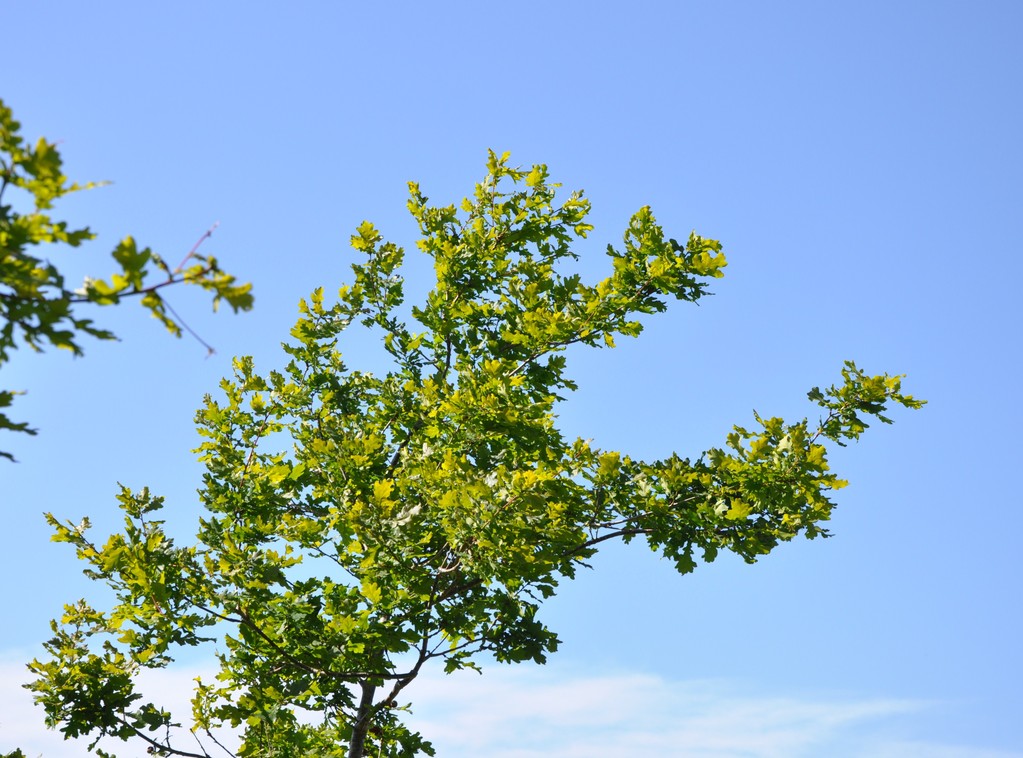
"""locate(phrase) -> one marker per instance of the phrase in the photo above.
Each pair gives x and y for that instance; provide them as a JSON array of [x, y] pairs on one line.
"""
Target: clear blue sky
[[861, 163]]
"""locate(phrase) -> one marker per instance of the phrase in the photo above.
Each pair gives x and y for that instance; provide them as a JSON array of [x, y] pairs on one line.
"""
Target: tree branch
[[603, 538], [162, 748]]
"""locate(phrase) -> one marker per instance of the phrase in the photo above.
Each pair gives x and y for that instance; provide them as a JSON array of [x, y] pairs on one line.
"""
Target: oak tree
[[359, 527]]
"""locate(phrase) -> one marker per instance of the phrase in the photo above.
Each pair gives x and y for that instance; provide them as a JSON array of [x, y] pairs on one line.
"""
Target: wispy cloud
[[513, 714], [554, 713]]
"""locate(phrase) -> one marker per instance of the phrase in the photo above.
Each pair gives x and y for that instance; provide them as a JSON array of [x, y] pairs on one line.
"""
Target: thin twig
[[218, 743], [209, 348], [195, 248], [163, 748]]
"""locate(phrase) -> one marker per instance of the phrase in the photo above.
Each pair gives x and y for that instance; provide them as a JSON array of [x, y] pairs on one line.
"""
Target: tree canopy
[[37, 308], [359, 527]]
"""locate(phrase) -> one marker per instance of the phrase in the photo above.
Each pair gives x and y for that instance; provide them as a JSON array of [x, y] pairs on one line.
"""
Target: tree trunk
[[357, 747]]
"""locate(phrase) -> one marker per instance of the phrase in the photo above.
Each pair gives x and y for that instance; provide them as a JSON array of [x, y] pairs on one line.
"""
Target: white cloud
[[21, 723], [517, 714], [554, 713], [916, 749]]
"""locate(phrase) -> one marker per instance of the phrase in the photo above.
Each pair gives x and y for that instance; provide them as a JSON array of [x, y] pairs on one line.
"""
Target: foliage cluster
[[358, 527]]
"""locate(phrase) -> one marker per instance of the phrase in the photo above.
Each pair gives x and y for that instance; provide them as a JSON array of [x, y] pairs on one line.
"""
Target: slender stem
[[209, 348], [218, 743], [195, 248]]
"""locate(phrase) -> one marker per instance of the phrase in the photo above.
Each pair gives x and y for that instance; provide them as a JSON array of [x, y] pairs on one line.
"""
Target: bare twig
[[195, 248], [209, 348]]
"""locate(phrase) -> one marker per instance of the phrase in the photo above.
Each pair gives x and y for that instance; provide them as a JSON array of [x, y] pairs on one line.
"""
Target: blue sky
[[861, 164]]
